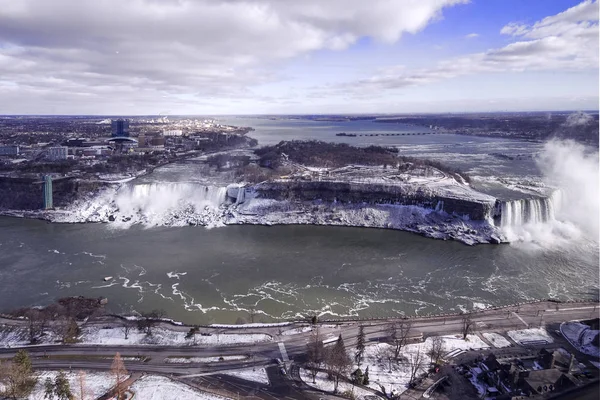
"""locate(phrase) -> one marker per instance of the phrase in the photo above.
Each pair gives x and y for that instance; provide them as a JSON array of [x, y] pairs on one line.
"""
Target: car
[[282, 370], [278, 361]]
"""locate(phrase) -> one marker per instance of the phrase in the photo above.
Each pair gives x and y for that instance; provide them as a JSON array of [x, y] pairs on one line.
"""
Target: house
[[548, 380]]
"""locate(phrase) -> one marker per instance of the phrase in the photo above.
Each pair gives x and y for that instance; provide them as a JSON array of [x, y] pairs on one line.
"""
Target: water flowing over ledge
[[462, 216]]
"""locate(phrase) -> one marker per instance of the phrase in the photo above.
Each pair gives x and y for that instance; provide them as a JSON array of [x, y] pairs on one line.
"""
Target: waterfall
[[515, 213], [157, 202]]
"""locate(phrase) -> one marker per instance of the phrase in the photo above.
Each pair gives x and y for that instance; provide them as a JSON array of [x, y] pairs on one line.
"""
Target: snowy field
[[323, 383], [154, 387], [580, 336], [496, 340], [525, 336], [191, 360], [96, 383], [257, 374], [160, 336]]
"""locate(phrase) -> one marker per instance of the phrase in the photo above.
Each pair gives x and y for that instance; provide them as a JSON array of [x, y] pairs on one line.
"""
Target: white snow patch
[[16, 336], [161, 336], [190, 360], [96, 383], [296, 331], [525, 336], [253, 325], [257, 374], [154, 387], [323, 383], [497, 340]]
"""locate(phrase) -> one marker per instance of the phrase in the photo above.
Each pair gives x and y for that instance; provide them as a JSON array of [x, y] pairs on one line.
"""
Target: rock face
[[455, 200], [27, 193]]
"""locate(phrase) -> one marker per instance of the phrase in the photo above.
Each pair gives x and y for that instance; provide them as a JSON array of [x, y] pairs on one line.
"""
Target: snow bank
[[254, 375], [191, 360], [296, 331], [532, 335], [154, 387], [497, 340], [253, 325], [165, 337]]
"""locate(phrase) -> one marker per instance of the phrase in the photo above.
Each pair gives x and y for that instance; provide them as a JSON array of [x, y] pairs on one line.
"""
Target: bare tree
[[82, 388], [37, 321], [398, 333], [316, 352], [126, 326], [360, 344], [119, 372], [252, 312], [437, 349], [467, 325], [415, 361]]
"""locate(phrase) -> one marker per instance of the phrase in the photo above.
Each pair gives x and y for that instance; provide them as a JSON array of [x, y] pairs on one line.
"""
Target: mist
[[573, 168]]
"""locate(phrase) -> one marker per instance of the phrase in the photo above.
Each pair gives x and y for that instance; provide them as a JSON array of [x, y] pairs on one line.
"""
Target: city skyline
[[265, 57]]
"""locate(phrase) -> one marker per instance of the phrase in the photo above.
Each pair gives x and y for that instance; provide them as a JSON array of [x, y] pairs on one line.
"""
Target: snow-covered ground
[[496, 340], [15, 336], [323, 383], [524, 336], [257, 374], [252, 325], [296, 331], [395, 376], [581, 336], [161, 336], [95, 383], [191, 360], [154, 387], [376, 357]]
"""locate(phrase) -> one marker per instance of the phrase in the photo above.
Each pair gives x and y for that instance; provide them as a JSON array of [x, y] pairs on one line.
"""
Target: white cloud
[[563, 42], [135, 51], [472, 35]]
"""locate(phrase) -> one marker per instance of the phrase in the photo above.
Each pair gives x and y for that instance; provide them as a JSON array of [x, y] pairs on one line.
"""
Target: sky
[[205, 57]]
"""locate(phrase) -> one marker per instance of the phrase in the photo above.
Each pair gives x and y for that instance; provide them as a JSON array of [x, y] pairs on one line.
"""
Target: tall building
[[58, 153], [48, 192], [120, 127]]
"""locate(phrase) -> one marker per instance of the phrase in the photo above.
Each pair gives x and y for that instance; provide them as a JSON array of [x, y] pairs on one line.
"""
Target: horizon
[[263, 57], [591, 111]]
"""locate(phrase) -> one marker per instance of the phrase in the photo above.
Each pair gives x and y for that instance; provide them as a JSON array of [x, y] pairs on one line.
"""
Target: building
[[57, 153], [9, 150], [48, 192], [120, 127], [173, 132]]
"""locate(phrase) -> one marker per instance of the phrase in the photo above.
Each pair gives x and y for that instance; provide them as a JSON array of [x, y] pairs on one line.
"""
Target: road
[[262, 354]]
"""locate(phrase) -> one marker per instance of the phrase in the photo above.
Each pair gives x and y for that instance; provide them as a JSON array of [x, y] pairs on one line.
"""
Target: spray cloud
[[573, 168]]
